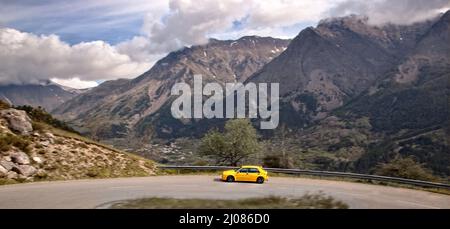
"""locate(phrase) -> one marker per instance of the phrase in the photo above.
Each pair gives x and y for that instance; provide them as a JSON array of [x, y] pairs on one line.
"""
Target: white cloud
[[141, 49], [95, 11], [190, 22], [75, 83], [274, 13], [27, 58], [400, 12], [167, 26]]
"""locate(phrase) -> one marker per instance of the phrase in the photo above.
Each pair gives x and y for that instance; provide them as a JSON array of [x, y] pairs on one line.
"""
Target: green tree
[[214, 144], [238, 142], [405, 168]]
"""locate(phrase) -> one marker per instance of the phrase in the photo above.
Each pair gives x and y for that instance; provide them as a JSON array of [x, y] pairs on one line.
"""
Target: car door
[[253, 174], [242, 174]]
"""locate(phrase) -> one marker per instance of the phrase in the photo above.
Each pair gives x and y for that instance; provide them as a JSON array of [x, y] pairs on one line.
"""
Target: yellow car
[[246, 173]]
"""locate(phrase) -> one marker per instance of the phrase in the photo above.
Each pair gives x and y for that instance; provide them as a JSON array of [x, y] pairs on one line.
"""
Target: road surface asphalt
[[101, 192]]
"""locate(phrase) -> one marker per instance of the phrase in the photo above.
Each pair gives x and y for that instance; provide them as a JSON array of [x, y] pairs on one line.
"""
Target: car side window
[[243, 170], [253, 170]]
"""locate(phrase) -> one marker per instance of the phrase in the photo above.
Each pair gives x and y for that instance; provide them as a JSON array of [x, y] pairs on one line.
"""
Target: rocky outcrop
[[17, 120], [3, 171], [8, 165], [25, 170], [37, 160], [41, 154], [17, 165], [20, 158]]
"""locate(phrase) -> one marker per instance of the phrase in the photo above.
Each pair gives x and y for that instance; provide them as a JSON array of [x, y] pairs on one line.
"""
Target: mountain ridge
[[354, 95], [129, 101], [48, 95]]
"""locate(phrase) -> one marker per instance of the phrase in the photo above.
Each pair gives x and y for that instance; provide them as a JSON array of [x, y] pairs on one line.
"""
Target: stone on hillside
[[49, 135], [20, 157], [29, 179], [45, 143], [26, 170], [41, 173], [12, 175], [37, 160], [3, 171], [17, 120], [4, 153], [7, 164]]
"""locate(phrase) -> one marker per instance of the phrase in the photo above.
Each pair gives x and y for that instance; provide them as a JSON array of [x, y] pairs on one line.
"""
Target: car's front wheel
[[260, 180], [230, 179]]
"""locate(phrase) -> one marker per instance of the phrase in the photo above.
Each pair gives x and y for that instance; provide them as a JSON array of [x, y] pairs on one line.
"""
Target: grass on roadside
[[4, 181], [308, 201]]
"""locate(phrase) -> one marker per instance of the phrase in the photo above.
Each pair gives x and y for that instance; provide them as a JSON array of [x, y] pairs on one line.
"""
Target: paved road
[[98, 193]]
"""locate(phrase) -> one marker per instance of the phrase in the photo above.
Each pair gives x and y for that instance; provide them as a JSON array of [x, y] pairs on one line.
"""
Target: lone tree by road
[[238, 142]]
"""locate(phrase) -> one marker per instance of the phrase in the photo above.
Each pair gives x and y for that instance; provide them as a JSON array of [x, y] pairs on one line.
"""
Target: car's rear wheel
[[260, 180], [230, 179]]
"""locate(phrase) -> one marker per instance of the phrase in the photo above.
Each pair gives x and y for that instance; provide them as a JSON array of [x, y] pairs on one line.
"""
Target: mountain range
[[357, 93], [48, 95], [136, 108]]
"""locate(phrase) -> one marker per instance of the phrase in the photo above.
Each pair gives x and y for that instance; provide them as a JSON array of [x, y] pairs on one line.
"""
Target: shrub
[[278, 161], [405, 168], [8, 140], [82, 145], [40, 115], [41, 151], [39, 127], [58, 141], [92, 172], [4, 105], [4, 146], [200, 163]]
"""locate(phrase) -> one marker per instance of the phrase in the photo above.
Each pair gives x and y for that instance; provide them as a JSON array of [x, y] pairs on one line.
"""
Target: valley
[[354, 97]]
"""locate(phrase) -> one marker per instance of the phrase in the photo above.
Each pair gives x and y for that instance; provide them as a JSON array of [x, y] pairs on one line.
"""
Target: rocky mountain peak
[[126, 105], [350, 22], [227, 60]]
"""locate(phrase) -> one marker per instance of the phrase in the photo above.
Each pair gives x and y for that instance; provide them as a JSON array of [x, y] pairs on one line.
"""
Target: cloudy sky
[[80, 43]]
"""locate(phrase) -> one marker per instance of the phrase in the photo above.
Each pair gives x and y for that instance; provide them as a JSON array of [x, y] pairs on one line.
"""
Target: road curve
[[98, 193]]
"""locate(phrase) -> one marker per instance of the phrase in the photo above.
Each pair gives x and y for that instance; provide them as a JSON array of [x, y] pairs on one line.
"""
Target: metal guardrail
[[321, 173]]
